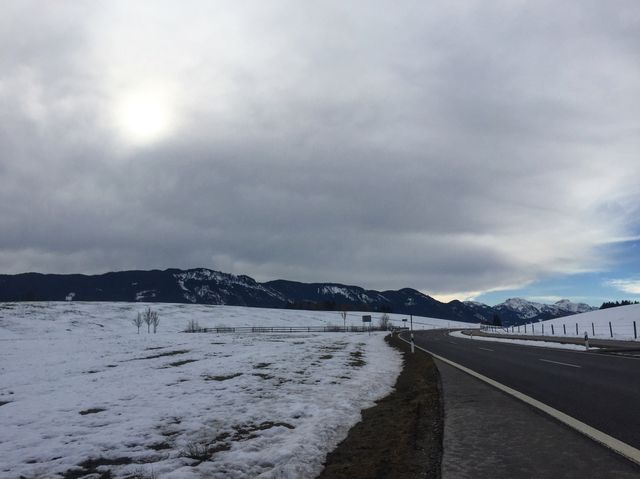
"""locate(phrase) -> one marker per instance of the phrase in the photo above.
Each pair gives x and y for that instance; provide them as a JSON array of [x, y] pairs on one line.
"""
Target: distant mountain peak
[[534, 311]]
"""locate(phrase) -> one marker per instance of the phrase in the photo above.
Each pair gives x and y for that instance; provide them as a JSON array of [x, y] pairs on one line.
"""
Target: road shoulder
[[400, 437], [488, 433]]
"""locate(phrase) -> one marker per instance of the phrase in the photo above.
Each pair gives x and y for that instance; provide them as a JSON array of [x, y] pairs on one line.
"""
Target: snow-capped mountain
[[518, 310], [206, 286]]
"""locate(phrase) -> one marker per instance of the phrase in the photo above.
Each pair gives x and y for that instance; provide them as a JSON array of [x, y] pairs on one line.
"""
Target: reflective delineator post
[[413, 347], [610, 329]]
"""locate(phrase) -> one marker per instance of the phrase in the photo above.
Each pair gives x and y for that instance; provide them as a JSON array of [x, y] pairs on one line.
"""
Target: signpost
[[367, 319]]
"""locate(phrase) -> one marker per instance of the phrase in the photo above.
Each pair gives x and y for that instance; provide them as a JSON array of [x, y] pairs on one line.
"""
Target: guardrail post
[[610, 329]]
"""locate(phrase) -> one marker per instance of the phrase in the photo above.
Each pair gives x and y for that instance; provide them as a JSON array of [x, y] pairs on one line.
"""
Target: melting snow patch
[[82, 392]]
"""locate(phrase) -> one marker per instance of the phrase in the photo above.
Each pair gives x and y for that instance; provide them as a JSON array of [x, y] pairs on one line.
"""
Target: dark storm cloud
[[452, 147]]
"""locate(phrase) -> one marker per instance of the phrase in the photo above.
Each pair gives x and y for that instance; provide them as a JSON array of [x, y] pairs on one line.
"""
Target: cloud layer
[[448, 146]]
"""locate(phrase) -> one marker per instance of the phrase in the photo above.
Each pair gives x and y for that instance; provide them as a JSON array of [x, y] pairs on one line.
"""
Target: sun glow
[[145, 115]]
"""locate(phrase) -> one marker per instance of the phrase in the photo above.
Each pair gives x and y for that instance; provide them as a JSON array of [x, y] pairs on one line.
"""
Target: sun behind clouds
[[145, 114]]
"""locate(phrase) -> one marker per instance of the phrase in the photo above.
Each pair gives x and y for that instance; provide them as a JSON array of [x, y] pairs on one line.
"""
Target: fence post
[[610, 329], [525, 328], [533, 328], [635, 331], [543, 329], [577, 329], [593, 330], [518, 328], [564, 328], [552, 332]]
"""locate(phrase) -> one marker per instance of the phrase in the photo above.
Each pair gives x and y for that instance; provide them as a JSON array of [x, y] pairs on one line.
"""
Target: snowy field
[[82, 392], [611, 323]]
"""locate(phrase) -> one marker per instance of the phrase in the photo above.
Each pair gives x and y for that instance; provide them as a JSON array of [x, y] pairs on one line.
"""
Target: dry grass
[[400, 437]]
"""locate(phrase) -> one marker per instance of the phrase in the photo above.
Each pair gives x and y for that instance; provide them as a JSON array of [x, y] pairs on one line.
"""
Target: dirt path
[[400, 437]]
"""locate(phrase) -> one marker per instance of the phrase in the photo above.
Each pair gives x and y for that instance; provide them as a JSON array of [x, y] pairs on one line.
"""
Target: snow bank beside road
[[524, 342], [80, 384]]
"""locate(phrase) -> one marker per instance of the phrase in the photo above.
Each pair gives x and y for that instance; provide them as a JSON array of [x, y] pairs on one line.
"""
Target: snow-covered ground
[[524, 342], [611, 323], [77, 383]]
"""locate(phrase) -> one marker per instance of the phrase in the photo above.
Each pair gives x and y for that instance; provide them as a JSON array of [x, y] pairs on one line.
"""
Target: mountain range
[[207, 286]]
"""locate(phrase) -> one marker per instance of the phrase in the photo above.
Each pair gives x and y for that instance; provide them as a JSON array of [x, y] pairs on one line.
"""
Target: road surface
[[602, 391]]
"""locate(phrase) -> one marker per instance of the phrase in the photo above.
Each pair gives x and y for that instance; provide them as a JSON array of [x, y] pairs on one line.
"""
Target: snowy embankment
[[621, 323], [523, 342], [77, 383]]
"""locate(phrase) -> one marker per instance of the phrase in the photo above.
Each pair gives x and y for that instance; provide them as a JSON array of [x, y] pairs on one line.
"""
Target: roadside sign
[[404, 320], [366, 318]]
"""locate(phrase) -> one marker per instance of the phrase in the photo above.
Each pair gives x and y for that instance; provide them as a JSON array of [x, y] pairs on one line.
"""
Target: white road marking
[[611, 442], [486, 349], [558, 362]]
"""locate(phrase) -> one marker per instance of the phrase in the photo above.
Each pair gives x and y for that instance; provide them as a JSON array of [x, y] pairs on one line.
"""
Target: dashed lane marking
[[558, 362]]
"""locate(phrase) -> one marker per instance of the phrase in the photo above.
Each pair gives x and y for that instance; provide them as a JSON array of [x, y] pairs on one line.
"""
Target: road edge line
[[622, 448]]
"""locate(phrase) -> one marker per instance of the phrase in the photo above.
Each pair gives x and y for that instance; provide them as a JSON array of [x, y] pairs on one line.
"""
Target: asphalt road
[[602, 391]]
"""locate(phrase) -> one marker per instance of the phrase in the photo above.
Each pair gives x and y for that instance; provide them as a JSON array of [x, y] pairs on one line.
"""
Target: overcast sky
[[461, 148]]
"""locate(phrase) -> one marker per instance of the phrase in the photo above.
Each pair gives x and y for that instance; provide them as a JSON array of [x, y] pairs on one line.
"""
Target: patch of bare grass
[[93, 410], [162, 355], [209, 377], [356, 360], [180, 363], [410, 420]]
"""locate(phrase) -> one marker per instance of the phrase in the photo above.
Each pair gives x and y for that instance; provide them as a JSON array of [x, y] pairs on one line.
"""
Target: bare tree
[[155, 321], [150, 317], [137, 322], [385, 322]]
